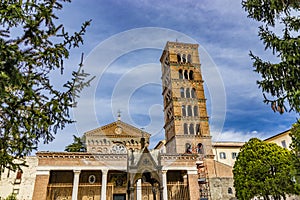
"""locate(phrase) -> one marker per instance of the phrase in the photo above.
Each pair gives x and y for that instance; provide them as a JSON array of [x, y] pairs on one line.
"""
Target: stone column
[[103, 186], [75, 184], [139, 189], [193, 184], [164, 184], [41, 184]]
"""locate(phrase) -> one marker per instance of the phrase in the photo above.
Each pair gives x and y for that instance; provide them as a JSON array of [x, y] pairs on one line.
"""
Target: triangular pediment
[[118, 129]]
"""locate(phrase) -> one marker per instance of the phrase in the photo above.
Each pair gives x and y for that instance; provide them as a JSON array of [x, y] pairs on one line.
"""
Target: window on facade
[[182, 92], [185, 129], [283, 143], [198, 129], [18, 177], [192, 132], [188, 148], [186, 75], [234, 155], [189, 58], [193, 92], [222, 155], [195, 110], [178, 57], [189, 110], [230, 190], [180, 74], [183, 110], [187, 93], [191, 75], [184, 58], [200, 148]]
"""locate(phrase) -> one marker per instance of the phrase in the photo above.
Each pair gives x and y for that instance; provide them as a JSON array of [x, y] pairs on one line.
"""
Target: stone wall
[[222, 188], [22, 187]]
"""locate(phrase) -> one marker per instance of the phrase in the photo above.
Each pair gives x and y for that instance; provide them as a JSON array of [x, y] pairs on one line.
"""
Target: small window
[[183, 58], [180, 74], [178, 57], [234, 155], [198, 129], [185, 129], [192, 129], [222, 155], [189, 58], [195, 110], [189, 110], [183, 110], [186, 74], [191, 75], [182, 92], [193, 91], [230, 190], [200, 148], [187, 93], [283, 143], [188, 148]]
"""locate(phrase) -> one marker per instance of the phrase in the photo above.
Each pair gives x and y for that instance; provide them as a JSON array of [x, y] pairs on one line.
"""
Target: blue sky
[[122, 48]]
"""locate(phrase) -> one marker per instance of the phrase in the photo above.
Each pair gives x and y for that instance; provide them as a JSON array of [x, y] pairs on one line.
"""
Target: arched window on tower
[[189, 58], [198, 129], [180, 74], [182, 92], [186, 74], [183, 58], [183, 110], [193, 92], [187, 93], [191, 75], [189, 110], [188, 148], [185, 129], [200, 148], [191, 129], [178, 57], [195, 110]]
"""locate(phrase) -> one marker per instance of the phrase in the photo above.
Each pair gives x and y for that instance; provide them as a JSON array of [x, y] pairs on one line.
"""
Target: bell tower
[[185, 115]]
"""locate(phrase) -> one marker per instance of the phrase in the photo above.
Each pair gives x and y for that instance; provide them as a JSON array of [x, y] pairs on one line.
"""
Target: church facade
[[118, 164]]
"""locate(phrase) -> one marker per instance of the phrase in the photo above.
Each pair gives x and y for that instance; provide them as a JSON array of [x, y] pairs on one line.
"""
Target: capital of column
[[76, 171], [104, 171], [192, 172], [164, 171]]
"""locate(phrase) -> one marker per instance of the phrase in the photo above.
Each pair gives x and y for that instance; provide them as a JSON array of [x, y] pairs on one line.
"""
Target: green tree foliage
[[11, 197], [263, 170], [295, 146], [280, 34], [33, 46], [78, 145]]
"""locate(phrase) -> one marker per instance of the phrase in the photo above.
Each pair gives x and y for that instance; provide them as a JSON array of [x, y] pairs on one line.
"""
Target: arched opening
[[189, 110], [187, 93], [182, 92], [200, 148], [193, 92], [180, 74], [186, 75], [183, 110], [183, 58], [178, 57], [191, 75], [189, 58], [185, 129], [188, 148], [198, 129], [195, 110], [192, 131]]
